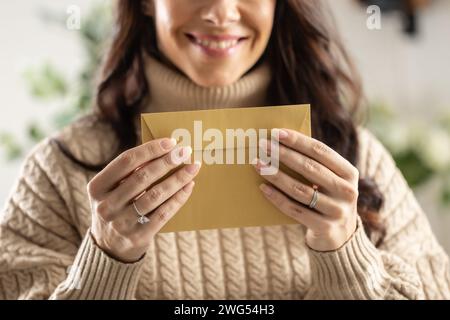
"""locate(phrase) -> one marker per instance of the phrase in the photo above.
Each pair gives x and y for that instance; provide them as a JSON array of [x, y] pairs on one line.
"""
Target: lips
[[216, 42]]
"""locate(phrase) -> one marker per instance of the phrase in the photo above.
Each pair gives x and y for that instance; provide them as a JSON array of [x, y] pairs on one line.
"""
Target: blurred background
[[50, 50]]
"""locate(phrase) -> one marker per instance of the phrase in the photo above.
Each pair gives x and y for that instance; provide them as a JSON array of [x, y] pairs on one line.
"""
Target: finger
[[167, 210], [311, 170], [159, 193], [141, 179], [329, 182], [318, 151], [301, 192], [310, 219], [127, 162], [139, 234]]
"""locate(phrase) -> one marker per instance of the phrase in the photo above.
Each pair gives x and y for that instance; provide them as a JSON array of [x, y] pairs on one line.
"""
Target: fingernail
[[262, 163], [181, 154], [168, 144], [259, 163], [185, 153], [266, 189], [193, 168], [282, 134]]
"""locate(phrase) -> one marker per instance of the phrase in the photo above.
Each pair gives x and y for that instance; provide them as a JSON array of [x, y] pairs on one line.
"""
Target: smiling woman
[[211, 42], [90, 198]]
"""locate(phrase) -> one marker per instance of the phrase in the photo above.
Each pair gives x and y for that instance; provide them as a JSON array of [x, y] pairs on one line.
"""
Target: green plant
[[421, 151], [47, 83]]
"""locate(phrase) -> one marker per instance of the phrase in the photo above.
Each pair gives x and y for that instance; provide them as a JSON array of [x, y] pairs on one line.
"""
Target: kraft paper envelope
[[226, 195]]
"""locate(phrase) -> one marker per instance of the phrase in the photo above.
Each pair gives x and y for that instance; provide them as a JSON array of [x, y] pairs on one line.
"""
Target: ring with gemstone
[[142, 218]]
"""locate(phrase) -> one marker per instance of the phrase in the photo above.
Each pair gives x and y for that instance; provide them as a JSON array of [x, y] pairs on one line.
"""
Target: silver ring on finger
[[315, 198], [142, 219]]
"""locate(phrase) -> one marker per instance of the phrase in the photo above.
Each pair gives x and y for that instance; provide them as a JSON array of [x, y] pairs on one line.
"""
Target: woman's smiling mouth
[[215, 45]]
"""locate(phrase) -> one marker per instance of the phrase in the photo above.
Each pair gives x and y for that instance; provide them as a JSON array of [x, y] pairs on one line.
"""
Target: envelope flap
[[164, 124]]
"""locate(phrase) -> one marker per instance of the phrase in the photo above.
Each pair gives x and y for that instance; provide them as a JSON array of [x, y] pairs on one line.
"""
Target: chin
[[214, 80]]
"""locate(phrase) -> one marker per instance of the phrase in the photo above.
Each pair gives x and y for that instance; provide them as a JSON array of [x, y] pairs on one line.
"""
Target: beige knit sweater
[[46, 250]]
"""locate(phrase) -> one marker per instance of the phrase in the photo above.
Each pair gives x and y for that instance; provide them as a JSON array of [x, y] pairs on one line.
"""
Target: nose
[[220, 13]]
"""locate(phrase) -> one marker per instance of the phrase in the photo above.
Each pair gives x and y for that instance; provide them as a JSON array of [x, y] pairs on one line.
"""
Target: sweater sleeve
[[43, 254], [409, 263]]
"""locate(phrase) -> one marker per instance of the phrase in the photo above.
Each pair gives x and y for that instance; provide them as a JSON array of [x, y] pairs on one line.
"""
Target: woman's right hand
[[115, 225]]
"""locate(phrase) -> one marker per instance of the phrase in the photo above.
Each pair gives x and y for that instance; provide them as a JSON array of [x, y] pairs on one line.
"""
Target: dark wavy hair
[[308, 62]]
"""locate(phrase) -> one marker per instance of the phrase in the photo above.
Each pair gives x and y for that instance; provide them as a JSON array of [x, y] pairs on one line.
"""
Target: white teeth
[[217, 44]]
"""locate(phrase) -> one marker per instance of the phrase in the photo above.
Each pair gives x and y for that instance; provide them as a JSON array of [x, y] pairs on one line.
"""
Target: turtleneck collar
[[170, 90]]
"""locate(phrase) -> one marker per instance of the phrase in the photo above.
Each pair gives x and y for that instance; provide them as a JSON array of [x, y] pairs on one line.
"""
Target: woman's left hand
[[333, 220]]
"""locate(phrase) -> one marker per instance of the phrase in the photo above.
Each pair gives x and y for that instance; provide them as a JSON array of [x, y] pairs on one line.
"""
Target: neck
[[171, 90]]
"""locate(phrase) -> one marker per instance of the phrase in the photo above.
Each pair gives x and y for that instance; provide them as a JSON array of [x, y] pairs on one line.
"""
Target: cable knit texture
[[47, 252]]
